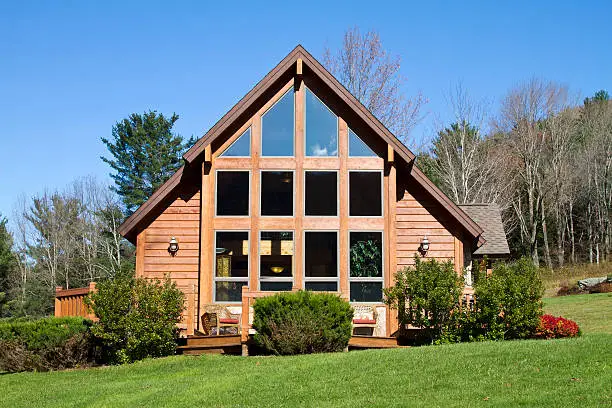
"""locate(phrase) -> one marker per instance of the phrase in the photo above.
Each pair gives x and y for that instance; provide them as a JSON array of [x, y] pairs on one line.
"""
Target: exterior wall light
[[424, 247], [173, 247]]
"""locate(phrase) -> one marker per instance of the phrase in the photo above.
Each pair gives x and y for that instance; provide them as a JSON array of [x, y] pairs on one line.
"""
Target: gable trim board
[[278, 77]]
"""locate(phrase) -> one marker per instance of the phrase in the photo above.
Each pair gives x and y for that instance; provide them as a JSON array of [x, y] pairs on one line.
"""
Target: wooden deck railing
[[70, 302]]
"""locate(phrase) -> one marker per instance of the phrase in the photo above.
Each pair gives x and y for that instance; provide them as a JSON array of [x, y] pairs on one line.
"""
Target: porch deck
[[232, 344]]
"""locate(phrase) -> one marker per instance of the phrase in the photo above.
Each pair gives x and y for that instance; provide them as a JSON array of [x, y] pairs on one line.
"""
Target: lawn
[[569, 372], [593, 313]]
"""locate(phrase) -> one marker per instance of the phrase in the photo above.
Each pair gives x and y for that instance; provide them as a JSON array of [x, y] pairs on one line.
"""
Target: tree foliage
[[145, 153], [7, 263], [545, 161], [426, 295], [509, 302], [66, 238], [137, 318]]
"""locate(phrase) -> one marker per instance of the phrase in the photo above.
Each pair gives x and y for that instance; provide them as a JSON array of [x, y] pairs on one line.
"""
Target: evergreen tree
[[145, 154], [7, 261]]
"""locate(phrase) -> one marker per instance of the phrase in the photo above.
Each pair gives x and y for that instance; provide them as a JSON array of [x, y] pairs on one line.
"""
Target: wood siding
[[414, 220], [180, 219]]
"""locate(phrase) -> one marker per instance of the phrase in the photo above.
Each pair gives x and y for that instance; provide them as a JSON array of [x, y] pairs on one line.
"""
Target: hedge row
[[45, 344]]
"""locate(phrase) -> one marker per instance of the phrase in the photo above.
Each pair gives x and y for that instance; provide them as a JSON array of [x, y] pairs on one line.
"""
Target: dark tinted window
[[366, 291], [366, 254], [232, 254], [232, 193], [365, 198], [321, 193], [277, 193], [321, 254], [276, 260]]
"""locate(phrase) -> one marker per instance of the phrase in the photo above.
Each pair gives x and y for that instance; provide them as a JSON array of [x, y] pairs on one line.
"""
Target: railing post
[[244, 318], [58, 302], [190, 312]]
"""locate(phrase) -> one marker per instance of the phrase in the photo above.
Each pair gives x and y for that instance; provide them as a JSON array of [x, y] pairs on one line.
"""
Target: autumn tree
[[373, 76]]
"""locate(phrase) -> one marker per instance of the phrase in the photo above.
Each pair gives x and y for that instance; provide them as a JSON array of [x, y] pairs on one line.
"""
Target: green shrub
[[509, 301], [44, 344], [302, 323], [426, 296], [137, 318]]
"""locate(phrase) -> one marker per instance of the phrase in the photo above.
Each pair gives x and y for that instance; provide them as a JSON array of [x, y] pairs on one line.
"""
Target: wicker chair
[[218, 317], [365, 316]]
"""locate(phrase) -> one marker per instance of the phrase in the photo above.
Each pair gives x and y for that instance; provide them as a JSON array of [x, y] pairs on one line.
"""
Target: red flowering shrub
[[552, 327]]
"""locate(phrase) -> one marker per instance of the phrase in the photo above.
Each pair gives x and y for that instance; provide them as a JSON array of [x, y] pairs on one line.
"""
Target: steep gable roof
[[255, 98]]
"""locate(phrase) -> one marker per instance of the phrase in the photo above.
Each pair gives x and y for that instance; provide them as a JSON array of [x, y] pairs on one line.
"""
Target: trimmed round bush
[[302, 322], [552, 327]]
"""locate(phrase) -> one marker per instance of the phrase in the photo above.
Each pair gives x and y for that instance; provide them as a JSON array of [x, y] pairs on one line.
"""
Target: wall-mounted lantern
[[173, 247], [424, 247]]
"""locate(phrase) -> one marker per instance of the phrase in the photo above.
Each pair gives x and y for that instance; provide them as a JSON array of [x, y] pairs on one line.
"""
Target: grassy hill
[[559, 373]]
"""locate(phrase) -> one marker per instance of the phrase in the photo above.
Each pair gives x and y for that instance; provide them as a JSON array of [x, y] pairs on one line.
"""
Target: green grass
[[559, 373], [593, 313]]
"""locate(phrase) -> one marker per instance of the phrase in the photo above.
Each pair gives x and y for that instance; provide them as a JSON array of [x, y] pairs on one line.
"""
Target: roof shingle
[[488, 216]]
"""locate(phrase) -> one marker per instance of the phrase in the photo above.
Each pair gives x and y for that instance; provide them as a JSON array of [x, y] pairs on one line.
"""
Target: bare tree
[[597, 164], [524, 111], [365, 68], [466, 161]]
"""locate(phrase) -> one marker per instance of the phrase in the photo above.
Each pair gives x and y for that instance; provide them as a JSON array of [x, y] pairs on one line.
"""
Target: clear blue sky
[[70, 69]]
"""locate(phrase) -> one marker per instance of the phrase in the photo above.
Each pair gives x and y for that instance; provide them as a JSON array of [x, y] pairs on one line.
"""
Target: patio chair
[[365, 317], [217, 318]]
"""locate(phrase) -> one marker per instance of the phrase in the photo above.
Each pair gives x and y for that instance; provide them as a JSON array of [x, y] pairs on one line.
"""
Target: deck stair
[[222, 344]]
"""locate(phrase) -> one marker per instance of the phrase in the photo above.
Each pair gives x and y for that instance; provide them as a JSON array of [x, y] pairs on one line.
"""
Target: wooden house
[[285, 192]]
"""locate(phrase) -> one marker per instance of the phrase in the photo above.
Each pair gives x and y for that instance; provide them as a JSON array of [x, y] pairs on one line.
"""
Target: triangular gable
[[298, 63]]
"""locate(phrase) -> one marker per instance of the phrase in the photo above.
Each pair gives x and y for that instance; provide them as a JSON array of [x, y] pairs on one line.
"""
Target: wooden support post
[[391, 260], [190, 312], [298, 237], [208, 154], [390, 154], [299, 67], [140, 252], [244, 329], [458, 253], [343, 190]]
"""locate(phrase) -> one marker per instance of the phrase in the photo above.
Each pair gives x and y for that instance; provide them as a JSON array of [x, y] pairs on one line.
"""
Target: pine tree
[[145, 154], [7, 261]]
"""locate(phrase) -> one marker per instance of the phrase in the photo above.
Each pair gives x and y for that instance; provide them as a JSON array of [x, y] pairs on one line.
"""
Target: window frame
[[248, 129], [261, 171], [229, 279], [261, 126], [305, 122], [304, 171], [382, 193], [321, 279], [248, 195], [380, 279], [269, 278]]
